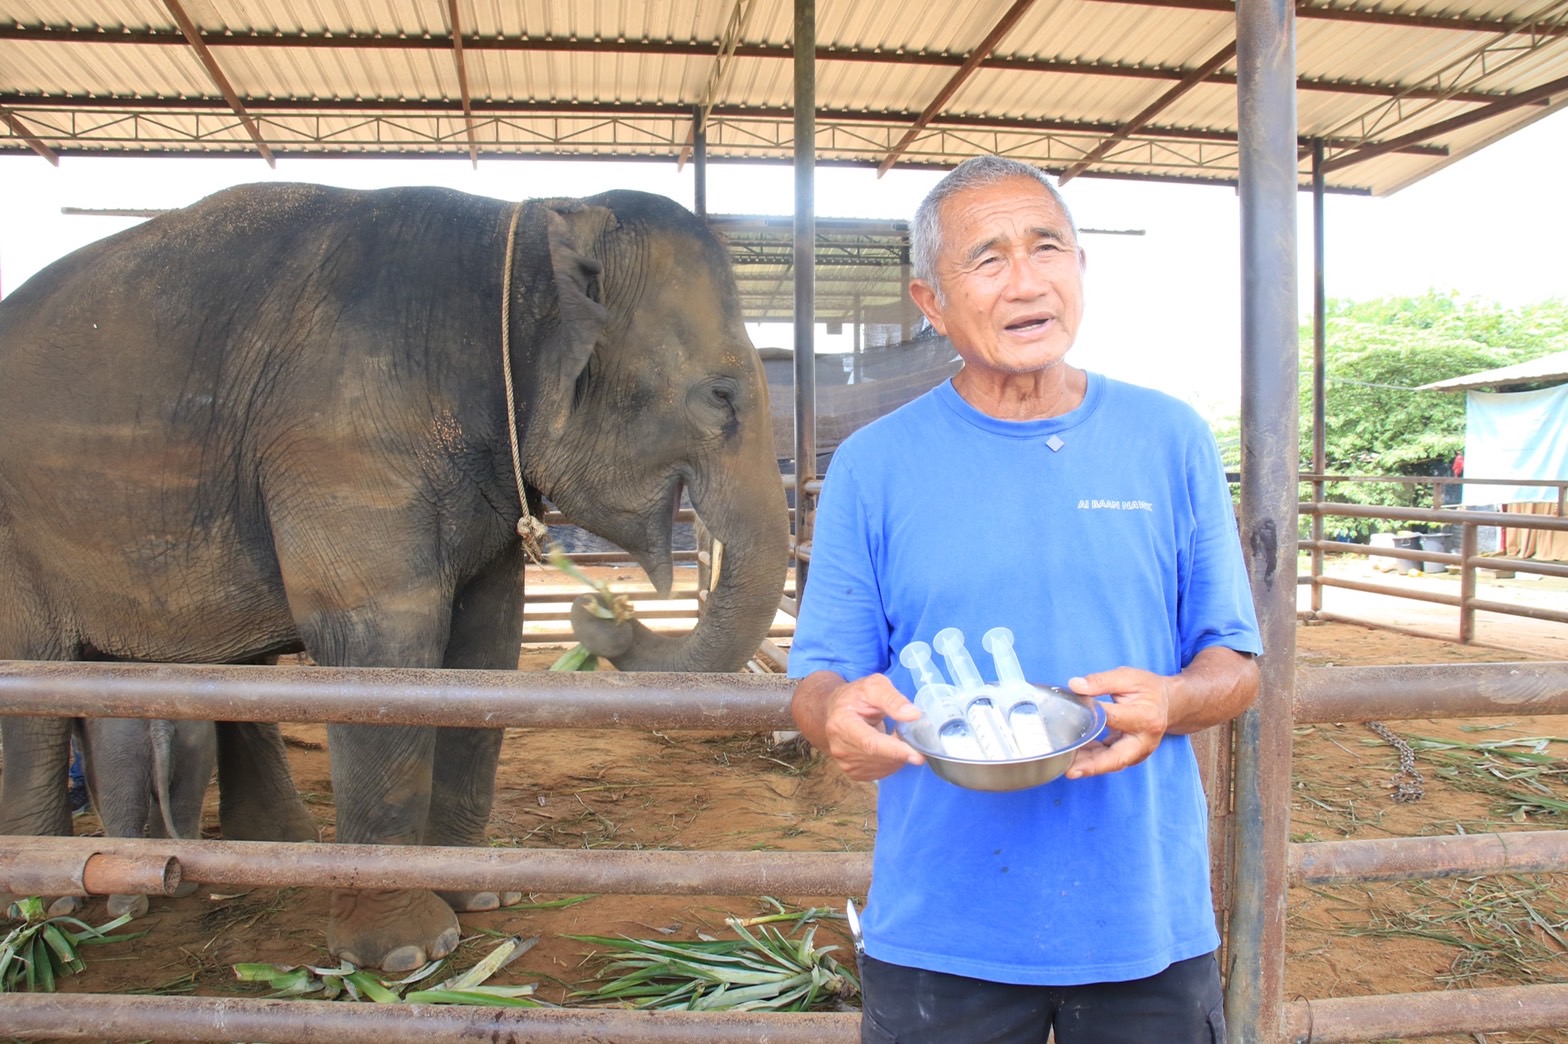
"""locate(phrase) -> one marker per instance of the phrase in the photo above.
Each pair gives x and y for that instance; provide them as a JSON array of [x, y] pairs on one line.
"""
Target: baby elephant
[[148, 779]]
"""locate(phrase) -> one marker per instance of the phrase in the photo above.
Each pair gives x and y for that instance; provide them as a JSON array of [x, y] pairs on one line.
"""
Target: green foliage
[[347, 982], [42, 950], [1227, 434], [765, 971], [1377, 353]]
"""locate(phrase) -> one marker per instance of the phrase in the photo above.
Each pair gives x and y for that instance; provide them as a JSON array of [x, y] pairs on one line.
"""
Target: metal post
[[805, 274], [699, 162], [911, 319], [857, 340], [1469, 547], [1270, 464], [699, 155], [1319, 367]]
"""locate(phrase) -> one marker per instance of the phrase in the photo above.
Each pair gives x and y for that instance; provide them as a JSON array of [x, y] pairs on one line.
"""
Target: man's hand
[[845, 719], [1216, 686], [1136, 719]]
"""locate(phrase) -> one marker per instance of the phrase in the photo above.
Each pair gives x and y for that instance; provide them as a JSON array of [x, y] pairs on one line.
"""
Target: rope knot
[[532, 531]]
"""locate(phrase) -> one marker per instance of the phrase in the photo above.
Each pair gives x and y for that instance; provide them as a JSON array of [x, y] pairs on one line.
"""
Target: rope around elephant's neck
[[530, 529]]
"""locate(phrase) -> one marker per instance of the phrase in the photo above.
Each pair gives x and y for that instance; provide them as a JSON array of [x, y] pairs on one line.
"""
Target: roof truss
[[1079, 87]]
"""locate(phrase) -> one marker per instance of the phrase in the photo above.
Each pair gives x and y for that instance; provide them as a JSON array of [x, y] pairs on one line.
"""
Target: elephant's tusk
[[718, 563]]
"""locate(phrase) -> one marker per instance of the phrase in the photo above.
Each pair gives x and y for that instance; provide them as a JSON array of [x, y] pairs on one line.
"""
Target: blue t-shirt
[[1104, 537]]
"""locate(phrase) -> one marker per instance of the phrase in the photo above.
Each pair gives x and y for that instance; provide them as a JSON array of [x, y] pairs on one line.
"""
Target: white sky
[[1163, 308]]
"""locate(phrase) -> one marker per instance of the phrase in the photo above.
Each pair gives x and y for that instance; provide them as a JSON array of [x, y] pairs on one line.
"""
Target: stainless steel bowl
[[1070, 720]]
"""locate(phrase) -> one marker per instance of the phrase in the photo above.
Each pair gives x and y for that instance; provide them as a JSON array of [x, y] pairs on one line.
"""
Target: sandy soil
[[722, 791]]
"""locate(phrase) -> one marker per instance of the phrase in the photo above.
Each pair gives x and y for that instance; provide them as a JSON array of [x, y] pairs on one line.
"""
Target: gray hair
[[925, 232]]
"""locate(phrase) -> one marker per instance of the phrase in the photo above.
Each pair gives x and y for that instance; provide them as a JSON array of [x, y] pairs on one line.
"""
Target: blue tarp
[[1516, 435]]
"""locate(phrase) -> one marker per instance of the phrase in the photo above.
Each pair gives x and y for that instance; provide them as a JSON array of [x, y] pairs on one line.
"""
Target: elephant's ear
[[573, 229]]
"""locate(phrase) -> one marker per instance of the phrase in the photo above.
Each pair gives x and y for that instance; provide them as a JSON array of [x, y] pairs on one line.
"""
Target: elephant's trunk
[[752, 525]]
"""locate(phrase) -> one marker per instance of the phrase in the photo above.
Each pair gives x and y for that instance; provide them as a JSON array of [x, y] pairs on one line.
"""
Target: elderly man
[[1092, 518]]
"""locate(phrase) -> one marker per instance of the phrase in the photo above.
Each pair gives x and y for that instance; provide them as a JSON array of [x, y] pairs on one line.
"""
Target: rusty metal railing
[[662, 701], [1468, 560]]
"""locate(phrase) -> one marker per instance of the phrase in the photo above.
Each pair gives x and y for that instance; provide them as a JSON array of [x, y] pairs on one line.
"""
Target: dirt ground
[[722, 791]]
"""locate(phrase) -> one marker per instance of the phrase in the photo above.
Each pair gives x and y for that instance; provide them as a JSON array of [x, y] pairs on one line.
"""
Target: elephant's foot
[[285, 821], [478, 902], [66, 906], [120, 905], [396, 930]]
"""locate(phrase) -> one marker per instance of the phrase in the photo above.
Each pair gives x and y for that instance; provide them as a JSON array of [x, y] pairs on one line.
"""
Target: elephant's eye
[[716, 397]]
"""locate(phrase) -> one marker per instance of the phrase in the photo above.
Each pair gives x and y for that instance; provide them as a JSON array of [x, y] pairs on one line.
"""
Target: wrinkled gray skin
[[275, 421], [147, 778]]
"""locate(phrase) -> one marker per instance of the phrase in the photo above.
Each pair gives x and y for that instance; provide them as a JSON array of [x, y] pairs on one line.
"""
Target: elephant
[[148, 778], [282, 420]]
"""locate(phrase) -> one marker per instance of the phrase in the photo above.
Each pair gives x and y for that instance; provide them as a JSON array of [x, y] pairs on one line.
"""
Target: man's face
[[1011, 277]]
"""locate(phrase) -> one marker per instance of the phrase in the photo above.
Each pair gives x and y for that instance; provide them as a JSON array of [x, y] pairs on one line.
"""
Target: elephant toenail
[[408, 958], [445, 945]]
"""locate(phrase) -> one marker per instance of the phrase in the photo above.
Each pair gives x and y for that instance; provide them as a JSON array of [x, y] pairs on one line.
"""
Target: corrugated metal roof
[[1548, 369], [1396, 89]]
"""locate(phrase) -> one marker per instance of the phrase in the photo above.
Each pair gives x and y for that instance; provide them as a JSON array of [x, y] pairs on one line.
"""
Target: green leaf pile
[[42, 949], [349, 983], [767, 971]]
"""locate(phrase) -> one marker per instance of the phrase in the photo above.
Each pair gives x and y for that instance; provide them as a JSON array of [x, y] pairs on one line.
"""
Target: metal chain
[[1408, 781]]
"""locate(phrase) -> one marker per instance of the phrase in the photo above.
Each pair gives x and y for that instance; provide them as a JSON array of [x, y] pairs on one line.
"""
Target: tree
[[1377, 353]]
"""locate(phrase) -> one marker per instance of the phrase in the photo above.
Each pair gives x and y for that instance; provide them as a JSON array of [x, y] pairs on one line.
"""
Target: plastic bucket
[[1436, 542]]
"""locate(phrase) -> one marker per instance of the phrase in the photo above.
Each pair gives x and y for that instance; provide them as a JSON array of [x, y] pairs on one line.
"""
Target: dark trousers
[[1181, 1005]]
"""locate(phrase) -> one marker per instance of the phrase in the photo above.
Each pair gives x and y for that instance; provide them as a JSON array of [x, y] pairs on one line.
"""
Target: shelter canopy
[[1124, 88], [1548, 369]]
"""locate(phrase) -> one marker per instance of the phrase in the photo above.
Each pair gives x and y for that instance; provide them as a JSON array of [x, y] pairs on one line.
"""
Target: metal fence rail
[[80, 1016], [76, 865], [661, 701], [1468, 559]]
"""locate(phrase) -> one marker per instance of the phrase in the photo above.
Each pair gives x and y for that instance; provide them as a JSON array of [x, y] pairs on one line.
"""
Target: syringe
[[943, 727], [989, 726], [1020, 702]]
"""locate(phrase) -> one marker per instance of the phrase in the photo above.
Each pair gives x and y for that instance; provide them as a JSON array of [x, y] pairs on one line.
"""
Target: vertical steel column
[[699, 162], [857, 340], [911, 317], [699, 169], [1270, 465], [1469, 547], [1319, 367], [805, 274]]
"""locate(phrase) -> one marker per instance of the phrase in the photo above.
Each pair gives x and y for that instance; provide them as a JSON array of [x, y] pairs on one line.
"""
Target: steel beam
[[1413, 514], [1428, 858], [278, 109], [1319, 361], [706, 48], [1154, 108], [699, 170], [805, 43], [23, 131], [462, 81], [1498, 1009], [88, 1016], [57, 865], [957, 80], [1418, 691], [219, 80], [401, 695], [1266, 111], [1486, 112], [718, 75], [1400, 19]]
